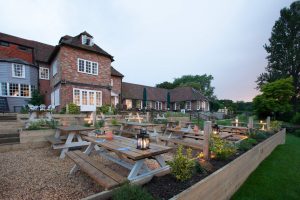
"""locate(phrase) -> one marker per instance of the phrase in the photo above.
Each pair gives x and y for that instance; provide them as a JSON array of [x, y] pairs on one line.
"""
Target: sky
[[153, 41]]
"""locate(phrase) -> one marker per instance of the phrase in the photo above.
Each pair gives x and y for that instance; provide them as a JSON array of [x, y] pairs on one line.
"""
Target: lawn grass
[[277, 177]]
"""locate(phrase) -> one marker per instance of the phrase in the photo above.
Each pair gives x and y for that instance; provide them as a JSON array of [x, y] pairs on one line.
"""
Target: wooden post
[[268, 123], [147, 114], [207, 131], [250, 123], [94, 117]]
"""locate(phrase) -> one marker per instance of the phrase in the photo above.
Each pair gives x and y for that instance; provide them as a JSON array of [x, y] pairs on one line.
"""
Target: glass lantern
[[143, 140]]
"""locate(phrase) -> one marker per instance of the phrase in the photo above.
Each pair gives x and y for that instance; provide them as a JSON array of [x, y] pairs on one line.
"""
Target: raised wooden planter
[[223, 183], [34, 136]]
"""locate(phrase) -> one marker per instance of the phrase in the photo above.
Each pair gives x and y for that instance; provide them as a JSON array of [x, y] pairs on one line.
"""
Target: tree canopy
[[284, 50], [199, 82], [275, 98]]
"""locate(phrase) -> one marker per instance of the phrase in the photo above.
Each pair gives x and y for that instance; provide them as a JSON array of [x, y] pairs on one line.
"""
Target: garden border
[[223, 183]]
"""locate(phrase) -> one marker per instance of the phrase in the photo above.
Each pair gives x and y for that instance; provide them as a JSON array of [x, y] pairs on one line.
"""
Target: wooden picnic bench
[[103, 175], [182, 142], [196, 137]]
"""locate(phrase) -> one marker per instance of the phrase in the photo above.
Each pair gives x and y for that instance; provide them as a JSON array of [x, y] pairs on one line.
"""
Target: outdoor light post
[[143, 140]]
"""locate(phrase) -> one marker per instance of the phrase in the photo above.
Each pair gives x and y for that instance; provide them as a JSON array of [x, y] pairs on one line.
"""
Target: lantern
[[215, 129], [143, 140], [236, 122]]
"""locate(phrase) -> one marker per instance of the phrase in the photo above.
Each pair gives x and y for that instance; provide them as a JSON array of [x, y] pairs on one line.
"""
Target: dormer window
[[86, 40]]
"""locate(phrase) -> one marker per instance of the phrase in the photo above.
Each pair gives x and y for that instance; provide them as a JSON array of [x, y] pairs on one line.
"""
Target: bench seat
[[54, 140], [100, 173], [183, 143]]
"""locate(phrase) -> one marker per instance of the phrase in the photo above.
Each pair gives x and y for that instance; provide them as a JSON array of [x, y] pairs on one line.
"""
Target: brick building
[[77, 70]]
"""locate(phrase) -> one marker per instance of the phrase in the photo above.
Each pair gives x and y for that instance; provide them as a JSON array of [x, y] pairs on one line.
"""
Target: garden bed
[[224, 178]]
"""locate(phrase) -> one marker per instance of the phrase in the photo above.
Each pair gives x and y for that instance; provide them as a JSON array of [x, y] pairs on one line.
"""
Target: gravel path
[[40, 174]]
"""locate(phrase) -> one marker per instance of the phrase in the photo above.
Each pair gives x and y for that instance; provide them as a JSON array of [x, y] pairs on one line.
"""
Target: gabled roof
[[41, 51], [77, 43], [114, 72], [135, 91], [186, 94], [16, 60]]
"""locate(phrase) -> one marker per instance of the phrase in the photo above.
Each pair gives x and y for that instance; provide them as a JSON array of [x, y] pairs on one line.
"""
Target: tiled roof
[[77, 42], [114, 72], [15, 60], [135, 91], [42, 51]]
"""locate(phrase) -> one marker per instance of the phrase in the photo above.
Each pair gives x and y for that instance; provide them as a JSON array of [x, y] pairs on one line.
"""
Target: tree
[[284, 50], [275, 98], [36, 98], [166, 85], [199, 82]]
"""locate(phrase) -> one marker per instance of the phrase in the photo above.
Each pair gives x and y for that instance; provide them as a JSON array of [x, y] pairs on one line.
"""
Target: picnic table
[[233, 129], [68, 136], [127, 155], [132, 127]]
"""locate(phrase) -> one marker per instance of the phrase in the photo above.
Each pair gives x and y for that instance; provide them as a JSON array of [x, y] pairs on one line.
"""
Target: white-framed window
[[158, 105], [198, 105], [188, 105], [149, 105], [54, 67], [4, 89], [176, 106], [87, 97], [18, 70], [111, 82], [16, 90], [86, 40], [44, 73], [203, 105], [128, 103], [86, 66], [55, 97]]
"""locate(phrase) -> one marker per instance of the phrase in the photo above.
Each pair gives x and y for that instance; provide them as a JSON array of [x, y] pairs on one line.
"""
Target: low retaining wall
[[29, 139], [223, 183]]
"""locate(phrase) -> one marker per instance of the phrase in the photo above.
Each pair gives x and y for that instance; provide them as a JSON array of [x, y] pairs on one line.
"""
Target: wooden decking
[[103, 175]]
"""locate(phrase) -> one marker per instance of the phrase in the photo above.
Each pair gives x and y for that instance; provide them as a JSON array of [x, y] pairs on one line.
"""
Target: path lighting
[[236, 122], [143, 141]]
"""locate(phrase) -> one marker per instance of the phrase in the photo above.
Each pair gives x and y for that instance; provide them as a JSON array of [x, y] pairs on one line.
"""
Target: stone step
[[9, 140], [9, 135]]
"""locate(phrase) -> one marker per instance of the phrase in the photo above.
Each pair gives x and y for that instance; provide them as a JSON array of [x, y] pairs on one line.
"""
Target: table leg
[[135, 170], [57, 133], [88, 151], [66, 149]]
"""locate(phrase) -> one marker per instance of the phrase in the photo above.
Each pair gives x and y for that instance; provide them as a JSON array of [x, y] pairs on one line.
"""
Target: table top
[[174, 130], [74, 128], [127, 147], [138, 124]]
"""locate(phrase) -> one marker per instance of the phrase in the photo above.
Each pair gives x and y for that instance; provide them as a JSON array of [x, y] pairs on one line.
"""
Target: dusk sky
[[155, 41]]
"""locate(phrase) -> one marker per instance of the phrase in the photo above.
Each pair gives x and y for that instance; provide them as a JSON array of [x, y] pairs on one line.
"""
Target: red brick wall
[[13, 52], [117, 84], [66, 94], [44, 86], [68, 58]]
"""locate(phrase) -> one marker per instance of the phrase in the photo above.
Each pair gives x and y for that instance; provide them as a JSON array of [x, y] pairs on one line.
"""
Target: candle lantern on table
[[143, 140]]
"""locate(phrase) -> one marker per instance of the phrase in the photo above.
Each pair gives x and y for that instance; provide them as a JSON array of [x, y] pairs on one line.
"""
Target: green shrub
[[221, 148], [99, 124], [296, 119], [103, 109], [63, 110], [182, 166], [24, 110], [176, 114], [247, 144], [73, 108], [36, 98], [296, 133], [114, 122], [37, 125], [258, 135], [86, 124], [275, 126], [52, 124], [199, 169], [131, 192]]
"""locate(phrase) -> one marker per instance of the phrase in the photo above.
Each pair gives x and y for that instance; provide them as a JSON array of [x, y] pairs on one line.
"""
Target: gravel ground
[[41, 174]]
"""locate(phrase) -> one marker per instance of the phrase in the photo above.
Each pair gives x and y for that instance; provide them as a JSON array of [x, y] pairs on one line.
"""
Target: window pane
[[24, 90], [88, 67], [13, 89], [76, 95], [18, 70], [44, 73], [4, 88], [92, 97], [81, 65], [95, 68], [98, 98], [84, 97]]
